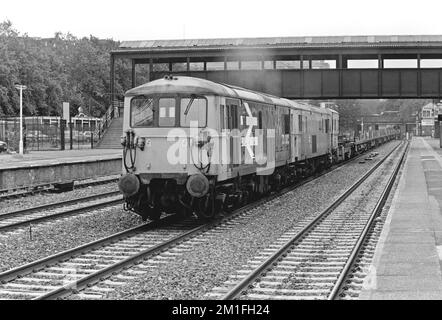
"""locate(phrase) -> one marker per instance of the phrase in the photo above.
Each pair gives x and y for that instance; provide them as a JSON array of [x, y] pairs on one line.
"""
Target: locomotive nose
[[129, 185]]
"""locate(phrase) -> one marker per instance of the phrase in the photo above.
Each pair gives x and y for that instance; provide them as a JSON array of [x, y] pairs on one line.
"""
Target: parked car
[[3, 146]]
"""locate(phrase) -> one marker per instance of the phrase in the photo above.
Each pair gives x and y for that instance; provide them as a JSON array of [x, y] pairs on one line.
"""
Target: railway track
[[312, 262], [362, 262], [92, 270], [32, 190], [66, 272], [43, 213]]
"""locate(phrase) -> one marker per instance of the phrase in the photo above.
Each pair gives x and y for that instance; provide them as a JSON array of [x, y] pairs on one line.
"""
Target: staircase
[[112, 136]]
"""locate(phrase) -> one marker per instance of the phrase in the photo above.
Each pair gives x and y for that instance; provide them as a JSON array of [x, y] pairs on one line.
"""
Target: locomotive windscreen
[[196, 112], [163, 111], [142, 112]]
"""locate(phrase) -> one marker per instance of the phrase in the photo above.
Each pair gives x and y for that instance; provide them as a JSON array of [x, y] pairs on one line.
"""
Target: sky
[[189, 19]]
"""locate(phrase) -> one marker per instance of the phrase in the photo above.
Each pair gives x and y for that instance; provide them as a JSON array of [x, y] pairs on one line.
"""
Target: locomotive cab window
[[193, 109], [142, 112], [166, 107]]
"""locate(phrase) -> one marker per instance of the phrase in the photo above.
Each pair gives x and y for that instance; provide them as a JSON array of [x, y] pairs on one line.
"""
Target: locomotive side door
[[294, 136], [287, 132], [232, 107], [302, 135]]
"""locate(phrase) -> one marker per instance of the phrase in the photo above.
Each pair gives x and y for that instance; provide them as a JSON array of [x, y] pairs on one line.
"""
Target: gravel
[[46, 198], [47, 239], [209, 264]]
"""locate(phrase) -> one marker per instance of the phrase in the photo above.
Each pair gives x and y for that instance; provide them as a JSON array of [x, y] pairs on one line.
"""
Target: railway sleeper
[[292, 292], [320, 284], [256, 296]]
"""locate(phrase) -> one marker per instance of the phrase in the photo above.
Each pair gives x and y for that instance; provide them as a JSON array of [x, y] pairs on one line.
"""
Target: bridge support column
[[149, 72], [301, 58], [339, 67], [380, 62], [419, 83], [134, 76], [440, 133], [380, 67], [112, 79]]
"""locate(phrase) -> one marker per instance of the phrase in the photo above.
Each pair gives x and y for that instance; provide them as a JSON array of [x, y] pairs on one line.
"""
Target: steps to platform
[[111, 138]]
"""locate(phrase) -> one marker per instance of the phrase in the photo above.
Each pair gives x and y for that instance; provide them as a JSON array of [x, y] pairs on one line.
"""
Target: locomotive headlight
[[123, 141], [141, 143]]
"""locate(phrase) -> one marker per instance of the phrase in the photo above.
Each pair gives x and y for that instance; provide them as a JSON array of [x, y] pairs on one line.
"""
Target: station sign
[[66, 113]]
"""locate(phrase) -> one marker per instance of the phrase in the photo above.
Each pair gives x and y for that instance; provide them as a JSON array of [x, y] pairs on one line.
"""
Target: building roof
[[287, 42], [428, 106]]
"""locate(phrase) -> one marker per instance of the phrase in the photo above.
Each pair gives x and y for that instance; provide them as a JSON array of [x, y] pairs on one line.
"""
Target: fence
[[50, 133]]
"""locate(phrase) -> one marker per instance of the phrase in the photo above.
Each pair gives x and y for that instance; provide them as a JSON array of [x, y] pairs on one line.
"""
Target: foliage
[[63, 68], [405, 107], [351, 111]]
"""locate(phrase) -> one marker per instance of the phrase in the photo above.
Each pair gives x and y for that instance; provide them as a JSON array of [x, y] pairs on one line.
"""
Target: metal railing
[[114, 111], [50, 133]]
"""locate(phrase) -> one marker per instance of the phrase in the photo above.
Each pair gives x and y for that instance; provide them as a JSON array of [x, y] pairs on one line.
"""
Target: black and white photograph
[[228, 157]]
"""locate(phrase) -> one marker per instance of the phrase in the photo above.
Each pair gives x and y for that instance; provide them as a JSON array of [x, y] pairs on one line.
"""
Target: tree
[[63, 68], [405, 107], [350, 112]]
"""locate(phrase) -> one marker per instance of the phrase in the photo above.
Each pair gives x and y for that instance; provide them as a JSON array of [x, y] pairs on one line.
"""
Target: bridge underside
[[330, 84]]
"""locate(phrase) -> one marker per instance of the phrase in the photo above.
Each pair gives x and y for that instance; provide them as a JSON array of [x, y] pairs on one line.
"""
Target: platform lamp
[[21, 88]]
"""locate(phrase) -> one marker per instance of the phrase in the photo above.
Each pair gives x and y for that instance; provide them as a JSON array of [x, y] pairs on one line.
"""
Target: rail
[[25, 191], [270, 261], [376, 211], [9, 221]]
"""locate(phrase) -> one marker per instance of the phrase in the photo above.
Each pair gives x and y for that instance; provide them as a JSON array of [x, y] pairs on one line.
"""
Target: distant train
[[192, 145]]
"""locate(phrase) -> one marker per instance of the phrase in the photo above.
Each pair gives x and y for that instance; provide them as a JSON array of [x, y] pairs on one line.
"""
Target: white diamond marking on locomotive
[[248, 141]]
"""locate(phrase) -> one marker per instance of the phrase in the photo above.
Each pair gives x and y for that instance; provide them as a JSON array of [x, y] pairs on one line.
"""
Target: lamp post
[[20, 145]]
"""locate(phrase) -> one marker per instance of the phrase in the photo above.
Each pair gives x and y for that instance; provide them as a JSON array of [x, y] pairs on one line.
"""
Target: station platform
[[42, 167], [408, 258]]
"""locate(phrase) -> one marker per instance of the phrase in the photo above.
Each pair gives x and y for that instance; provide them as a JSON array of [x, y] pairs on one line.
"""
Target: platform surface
[[37, 158], [408, 257]]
